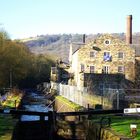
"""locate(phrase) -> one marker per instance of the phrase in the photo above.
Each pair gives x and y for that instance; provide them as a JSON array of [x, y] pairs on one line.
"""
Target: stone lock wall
[[95, 132], [64, 105], [71, 130]]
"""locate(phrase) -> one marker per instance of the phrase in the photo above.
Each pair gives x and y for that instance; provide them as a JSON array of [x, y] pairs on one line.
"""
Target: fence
[[109, 99]]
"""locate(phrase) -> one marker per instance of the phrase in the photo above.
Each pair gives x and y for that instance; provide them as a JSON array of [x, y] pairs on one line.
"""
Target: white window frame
[[106, 69]]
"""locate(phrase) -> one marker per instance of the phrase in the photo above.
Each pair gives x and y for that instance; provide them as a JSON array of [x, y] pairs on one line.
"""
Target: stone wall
[[64, 105], [95, 132], [86, 129], [71, 130], [137, 68], [73, 127]]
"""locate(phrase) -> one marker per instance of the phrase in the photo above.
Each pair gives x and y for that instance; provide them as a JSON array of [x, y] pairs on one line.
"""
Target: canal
[[30, 127], [34, 101]]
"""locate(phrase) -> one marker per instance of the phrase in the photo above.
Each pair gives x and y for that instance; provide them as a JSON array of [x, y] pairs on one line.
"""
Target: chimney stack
[[129, 30], [84, 38]]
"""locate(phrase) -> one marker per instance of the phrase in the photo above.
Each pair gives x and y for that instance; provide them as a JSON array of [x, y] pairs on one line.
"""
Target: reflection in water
[[37, 106]]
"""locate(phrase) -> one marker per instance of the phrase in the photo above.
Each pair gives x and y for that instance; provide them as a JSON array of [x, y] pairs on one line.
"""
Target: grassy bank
[[70, 103], [121, 125], [7, 124], [12, 100]]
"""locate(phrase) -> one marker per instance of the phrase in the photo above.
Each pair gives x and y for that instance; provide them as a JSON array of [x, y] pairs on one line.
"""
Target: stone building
[[105, 62], [60, 72]]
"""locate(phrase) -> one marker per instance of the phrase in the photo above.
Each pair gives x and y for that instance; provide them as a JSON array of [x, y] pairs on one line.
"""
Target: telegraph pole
[[117, 94]]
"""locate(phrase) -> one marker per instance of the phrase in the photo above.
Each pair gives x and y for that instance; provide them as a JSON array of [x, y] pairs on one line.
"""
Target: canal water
[[34, 101]]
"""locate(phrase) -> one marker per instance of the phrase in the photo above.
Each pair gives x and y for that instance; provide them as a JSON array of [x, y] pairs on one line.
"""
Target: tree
[[19, 66]]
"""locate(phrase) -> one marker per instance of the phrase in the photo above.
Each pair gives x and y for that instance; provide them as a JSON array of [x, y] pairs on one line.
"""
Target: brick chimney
[[129, 30], [84, 38]]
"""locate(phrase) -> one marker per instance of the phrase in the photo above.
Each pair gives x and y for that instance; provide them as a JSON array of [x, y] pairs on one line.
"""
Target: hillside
[[58, 44]]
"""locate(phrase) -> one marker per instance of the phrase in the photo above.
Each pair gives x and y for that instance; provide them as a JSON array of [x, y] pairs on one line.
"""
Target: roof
[[76, 47]]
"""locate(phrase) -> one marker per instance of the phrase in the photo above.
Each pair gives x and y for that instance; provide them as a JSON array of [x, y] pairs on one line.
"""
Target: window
[[107, 42], [54, 70], [105, 69], [121, 55], [106, 53], [82, 67], [92, 54], [92, 69], [107, 56], [121, 69]]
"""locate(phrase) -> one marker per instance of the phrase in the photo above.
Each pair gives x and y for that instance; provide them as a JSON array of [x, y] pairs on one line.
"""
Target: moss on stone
[[71, 104]]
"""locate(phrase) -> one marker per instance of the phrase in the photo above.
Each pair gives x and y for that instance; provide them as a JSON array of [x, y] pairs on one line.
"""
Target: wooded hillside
[[58, 44], [21, 68]]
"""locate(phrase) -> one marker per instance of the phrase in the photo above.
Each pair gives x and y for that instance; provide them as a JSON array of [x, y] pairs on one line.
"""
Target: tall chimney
[[129, 30], [84, 38]]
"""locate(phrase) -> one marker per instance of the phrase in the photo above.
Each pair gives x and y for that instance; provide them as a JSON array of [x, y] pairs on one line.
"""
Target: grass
[[121, 125], [10, 101], [7, 124], [69, 103]]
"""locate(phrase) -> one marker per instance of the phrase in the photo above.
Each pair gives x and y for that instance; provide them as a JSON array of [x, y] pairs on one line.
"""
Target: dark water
[[37, 102]]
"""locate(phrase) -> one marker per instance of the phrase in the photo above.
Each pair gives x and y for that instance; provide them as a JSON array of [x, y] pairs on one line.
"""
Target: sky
[[29, 18]]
